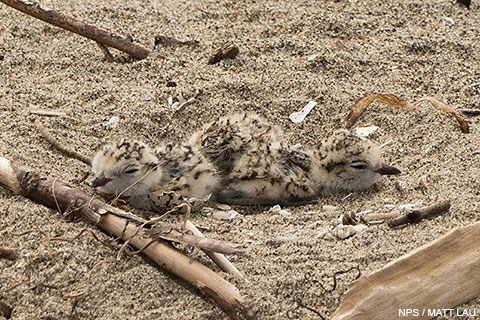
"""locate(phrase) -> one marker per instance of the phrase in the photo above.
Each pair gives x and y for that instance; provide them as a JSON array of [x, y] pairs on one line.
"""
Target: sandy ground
[[290, 53]]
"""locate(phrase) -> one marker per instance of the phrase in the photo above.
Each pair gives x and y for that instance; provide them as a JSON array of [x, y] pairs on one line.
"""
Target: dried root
[[362, 105]]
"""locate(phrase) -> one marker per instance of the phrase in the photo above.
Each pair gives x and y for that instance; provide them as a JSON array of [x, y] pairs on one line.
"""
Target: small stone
[[227, 51]]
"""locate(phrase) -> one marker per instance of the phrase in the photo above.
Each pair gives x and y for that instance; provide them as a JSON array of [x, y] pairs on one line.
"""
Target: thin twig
[[302, 305], [106, 52], [57, 145], [86, 30], [222, 262], [470, 112], [420, 214], [48, 113]]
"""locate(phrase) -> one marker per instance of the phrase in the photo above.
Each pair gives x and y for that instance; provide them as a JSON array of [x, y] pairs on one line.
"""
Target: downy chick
[[127, 169], [146, 177], [295, 176]]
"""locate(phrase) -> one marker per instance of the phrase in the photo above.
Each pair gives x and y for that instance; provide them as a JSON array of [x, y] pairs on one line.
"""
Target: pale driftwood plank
[[442, 274]]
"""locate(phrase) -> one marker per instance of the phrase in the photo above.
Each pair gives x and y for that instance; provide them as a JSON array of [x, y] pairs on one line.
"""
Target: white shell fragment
[[146, 95], [299, 116], [276, 209], [224, 207], [312, 57], [329, 208], [112, 122], [365, 131], [321, 233], [224, 215], [345, 231], [408, 206], [448, 20], [181, 101]]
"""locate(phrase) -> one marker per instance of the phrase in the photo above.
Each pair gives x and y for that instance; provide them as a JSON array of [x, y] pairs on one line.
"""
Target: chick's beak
[[100, 180], [387, 170]]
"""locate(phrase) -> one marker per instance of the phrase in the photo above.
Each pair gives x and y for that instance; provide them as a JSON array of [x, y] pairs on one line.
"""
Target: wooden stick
[[57, 145], [51, 193], [222, 262], [86, 30], [420, 214], [442, 274]]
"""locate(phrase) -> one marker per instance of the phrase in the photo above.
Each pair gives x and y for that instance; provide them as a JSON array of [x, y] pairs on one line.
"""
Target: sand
[[290, 53]]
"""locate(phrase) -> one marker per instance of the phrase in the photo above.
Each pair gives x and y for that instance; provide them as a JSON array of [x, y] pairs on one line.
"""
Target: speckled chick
[[131, 170], [259, 168], [127, 168]]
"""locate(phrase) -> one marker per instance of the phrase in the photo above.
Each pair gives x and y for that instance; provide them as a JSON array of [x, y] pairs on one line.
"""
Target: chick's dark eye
[[131, 170], [359, 165]]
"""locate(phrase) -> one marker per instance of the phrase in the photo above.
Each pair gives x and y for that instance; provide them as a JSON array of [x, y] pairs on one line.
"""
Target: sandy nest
[[290, 53]]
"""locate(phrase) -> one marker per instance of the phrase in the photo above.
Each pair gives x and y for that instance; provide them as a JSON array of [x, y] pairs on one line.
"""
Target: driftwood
[[100, 35], [440, 275], [72, 201]]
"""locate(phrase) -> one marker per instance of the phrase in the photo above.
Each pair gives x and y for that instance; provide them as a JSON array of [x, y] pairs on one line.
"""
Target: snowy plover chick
[[133, 171], [126, 169]]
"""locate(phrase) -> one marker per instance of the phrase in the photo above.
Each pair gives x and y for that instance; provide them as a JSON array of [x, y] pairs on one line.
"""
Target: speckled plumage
[[239, 159], [153, 180], [259, 167]]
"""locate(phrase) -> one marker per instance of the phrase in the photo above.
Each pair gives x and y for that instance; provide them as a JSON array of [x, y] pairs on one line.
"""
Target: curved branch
[[86, 30]]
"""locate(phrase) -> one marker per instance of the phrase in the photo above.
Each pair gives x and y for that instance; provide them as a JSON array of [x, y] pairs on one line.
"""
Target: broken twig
[[167, 232], [86, 30], [172, 42], [57, 145], [470, 112], [420, 214], [48, 113], [221, 261]]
